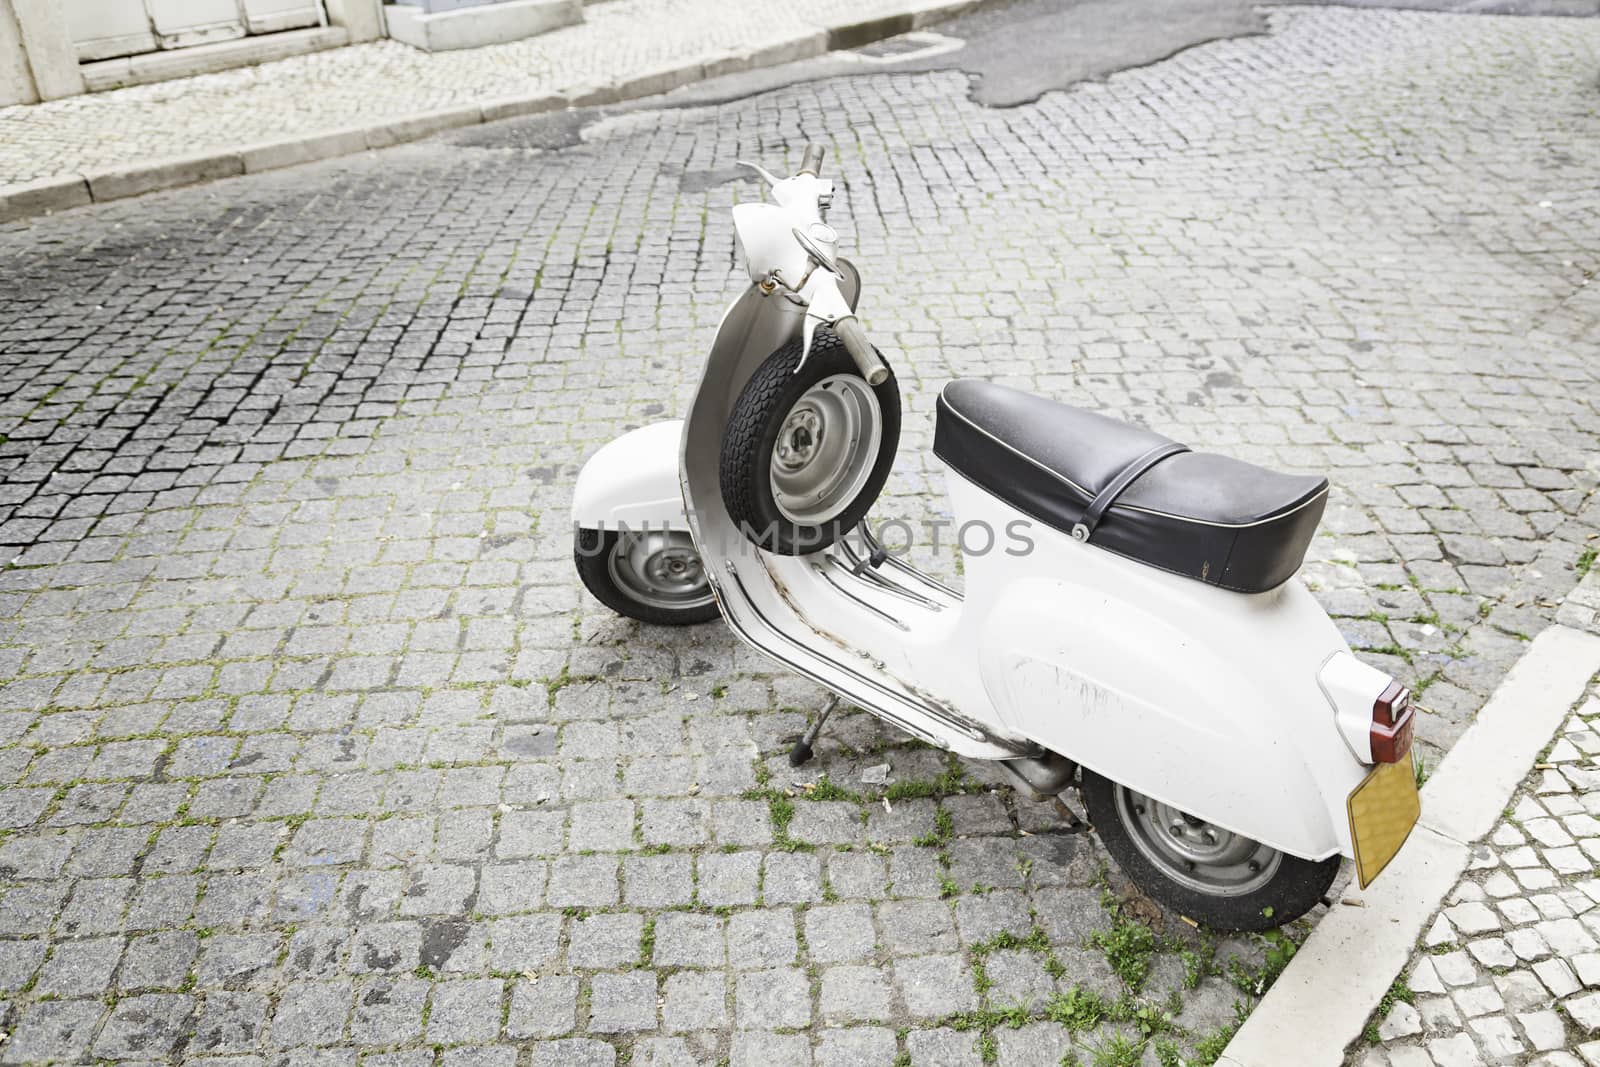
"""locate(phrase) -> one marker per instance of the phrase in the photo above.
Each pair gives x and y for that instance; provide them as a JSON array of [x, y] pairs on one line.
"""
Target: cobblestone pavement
[[1509, 971], [312, 749], [383, 80]]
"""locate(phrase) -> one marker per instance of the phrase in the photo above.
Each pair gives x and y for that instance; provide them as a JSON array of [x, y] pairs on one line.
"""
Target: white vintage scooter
[[1130, 622]]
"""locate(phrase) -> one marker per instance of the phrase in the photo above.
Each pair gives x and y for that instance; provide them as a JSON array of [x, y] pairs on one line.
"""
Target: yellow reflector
[[1383, 809]]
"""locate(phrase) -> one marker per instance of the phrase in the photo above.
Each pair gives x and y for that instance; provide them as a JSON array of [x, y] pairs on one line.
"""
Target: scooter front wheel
[[807, 447], [1218, 878], [655, 577]]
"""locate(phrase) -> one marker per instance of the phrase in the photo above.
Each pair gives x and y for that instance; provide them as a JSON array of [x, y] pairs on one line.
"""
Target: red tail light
[[1391, 724]]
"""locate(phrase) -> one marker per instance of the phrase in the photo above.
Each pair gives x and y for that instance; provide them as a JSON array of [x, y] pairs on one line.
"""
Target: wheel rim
[[826, 449], [1194, 853], [660, 569]]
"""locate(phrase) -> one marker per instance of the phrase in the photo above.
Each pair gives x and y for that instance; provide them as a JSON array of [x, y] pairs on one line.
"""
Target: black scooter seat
[[1212, 518]]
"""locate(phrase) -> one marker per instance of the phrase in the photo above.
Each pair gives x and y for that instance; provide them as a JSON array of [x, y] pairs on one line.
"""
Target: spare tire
[[806, 453]]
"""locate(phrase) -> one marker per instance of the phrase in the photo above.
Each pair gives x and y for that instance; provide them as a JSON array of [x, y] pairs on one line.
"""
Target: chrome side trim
[[826, 575], [858, 571], [958, 723], [905, 568]]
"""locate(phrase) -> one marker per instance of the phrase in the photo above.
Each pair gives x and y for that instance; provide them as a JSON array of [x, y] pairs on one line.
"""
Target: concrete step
[[479, 25]]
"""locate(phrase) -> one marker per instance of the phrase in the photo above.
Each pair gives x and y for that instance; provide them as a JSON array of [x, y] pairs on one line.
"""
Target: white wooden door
[[182, 23], [271, 16], [104, 29]]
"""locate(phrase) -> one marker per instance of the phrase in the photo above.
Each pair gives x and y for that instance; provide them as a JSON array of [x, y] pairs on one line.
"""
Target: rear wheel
[[654, 577], [1222, 879]]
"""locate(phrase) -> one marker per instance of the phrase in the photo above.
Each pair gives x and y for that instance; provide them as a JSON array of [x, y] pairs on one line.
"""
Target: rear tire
[[806, 453], [653, 577], [1219, 879]]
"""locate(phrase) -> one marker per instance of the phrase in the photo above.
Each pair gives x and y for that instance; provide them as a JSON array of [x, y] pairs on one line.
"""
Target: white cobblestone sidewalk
[[386, 80], [1509, 971]]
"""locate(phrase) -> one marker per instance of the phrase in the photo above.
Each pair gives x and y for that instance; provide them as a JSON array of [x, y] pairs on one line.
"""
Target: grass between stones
[[1137, 1023]]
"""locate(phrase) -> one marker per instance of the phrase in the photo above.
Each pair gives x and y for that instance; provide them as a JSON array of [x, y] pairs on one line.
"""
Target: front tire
[[1223, 880], [807, 451], [655, 577]]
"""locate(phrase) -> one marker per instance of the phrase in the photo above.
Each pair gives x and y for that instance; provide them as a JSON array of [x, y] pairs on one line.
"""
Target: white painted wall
[[362, 19], [16, 76], [47, 46]]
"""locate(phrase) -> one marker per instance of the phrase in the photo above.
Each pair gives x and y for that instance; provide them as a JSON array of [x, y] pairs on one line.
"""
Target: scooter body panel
[[1201, 698], [765, 237]]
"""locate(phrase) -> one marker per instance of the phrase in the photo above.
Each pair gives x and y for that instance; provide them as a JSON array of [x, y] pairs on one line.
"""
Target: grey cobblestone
[[622, 1002], [546, 1008], [780, 997], [311, 748], [389, 1012], [53, 1030], [144, 1027]]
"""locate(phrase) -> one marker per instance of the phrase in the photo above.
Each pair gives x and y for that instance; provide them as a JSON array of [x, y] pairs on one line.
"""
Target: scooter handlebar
[[811, 162], [855, 341]]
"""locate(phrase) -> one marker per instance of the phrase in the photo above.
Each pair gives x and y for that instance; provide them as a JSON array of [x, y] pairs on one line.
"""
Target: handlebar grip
[[855, 342], [811, 162]]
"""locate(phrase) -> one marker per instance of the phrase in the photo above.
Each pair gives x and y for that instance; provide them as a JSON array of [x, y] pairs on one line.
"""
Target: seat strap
[[1084, 528]]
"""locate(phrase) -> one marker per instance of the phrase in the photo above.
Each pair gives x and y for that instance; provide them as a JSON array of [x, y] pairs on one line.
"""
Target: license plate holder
[[1382, 811]]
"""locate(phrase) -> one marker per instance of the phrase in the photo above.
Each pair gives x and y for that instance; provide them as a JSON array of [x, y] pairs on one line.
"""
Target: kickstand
[[1074, 825], [802, 751]]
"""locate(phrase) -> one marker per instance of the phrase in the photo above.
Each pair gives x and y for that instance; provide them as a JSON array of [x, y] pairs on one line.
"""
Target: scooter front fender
[[633, 482]]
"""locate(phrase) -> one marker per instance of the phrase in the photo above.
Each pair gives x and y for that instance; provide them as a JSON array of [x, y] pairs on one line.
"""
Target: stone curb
[[59, 192], [45, 195], [1323, 999]]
